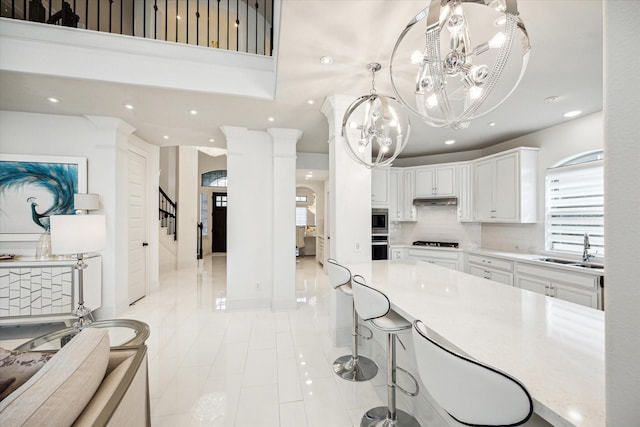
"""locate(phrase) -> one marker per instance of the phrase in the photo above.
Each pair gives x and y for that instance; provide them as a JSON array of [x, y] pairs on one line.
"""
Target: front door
[[219, 223]]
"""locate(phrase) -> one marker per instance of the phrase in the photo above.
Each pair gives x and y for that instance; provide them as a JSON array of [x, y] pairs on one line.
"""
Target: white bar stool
[[352, 367], [374, 307], [471, 392]]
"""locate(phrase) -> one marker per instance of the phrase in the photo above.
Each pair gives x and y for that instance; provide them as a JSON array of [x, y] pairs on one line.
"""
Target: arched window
[[574, 204], [214, 178]]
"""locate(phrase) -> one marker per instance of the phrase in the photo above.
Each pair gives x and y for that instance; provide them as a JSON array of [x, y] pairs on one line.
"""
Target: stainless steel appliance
[[380, 246], [379, 221], [436, 244]]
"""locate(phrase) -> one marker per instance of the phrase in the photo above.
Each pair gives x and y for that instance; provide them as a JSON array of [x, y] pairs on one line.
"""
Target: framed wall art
[[32, 188]]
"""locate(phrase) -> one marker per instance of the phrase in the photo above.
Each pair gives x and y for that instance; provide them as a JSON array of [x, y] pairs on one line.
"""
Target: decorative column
[[349, 212], [187, 198], [284, 218]]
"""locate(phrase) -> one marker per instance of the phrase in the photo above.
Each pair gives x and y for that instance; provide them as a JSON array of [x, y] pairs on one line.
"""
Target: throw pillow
[[19, 366]]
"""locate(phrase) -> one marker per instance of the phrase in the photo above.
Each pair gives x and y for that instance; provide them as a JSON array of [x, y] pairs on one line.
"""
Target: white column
[[284, 220], [349, 212], [187, 206], [249, 218], [622, 210]]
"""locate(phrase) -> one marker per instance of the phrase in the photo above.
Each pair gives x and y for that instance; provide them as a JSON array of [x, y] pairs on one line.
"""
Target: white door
[[137, 227]]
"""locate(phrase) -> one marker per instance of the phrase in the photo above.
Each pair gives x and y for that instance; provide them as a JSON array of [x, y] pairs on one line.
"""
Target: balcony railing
[[237, 25]]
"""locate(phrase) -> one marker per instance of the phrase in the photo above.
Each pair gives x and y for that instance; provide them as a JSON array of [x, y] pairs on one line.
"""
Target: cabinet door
[[445, 181], [506, 184], [478, 271], [380, 186], [578, 296], [446, 263], [533, 285], [465, 208], [409, 211], [425, 182], [396, 181], [484, 191]]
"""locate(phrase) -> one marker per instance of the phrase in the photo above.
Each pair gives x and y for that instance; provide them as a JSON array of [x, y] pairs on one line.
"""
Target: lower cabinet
[[498, 270], [398, 253], [443, 258], [578, 288]]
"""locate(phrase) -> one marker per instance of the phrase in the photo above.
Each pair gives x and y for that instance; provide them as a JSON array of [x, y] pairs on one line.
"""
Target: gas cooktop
[[436, 244]]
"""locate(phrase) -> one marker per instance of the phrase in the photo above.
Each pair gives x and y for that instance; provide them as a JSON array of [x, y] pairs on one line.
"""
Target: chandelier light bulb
[[374, 128], [463, 68]]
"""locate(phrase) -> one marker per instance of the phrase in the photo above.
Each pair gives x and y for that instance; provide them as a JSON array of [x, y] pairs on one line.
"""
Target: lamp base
[[84, 317], [43, 247]]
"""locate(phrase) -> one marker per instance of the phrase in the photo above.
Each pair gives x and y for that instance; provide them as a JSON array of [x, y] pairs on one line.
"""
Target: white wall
[[169, 171], [104, 142], [187, 206], [622, 211]]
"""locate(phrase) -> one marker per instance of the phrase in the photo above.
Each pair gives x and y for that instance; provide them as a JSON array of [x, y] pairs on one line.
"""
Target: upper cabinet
[[505, 186], [401, 195], [465, 193], [436, 181], [380, 187]]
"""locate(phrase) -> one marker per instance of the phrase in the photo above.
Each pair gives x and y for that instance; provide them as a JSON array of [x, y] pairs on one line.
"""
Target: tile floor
[[209, 367]]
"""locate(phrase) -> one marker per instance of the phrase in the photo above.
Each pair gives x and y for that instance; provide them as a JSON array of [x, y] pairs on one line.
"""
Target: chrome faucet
[[585, 251]]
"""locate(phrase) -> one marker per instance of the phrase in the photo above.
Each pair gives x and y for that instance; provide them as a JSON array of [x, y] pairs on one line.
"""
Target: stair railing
[[168, 214]]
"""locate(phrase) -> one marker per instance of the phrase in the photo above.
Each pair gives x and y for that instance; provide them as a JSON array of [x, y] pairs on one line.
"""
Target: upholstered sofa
[[86, 383]]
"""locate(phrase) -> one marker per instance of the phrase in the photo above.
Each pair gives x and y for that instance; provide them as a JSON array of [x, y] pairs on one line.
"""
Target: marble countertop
[[554, 347]]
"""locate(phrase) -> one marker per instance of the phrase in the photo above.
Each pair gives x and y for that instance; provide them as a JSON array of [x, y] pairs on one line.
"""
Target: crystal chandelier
[[375, 127], [458, 60]]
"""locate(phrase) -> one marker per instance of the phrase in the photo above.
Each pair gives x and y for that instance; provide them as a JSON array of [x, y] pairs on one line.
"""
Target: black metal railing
[[168, 213], [199, 249], [238, 25]]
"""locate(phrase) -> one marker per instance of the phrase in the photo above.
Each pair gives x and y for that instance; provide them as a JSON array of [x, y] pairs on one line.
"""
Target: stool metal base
[[360, 369], [377, 417]]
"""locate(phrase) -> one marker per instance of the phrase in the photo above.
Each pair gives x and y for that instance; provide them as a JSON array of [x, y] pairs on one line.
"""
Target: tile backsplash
[[437, 223]]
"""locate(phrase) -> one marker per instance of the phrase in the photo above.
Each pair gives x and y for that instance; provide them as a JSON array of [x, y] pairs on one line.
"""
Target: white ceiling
[[566, 61]]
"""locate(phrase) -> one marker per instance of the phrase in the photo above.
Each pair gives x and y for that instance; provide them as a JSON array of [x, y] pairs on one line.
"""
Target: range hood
[[436, 201]]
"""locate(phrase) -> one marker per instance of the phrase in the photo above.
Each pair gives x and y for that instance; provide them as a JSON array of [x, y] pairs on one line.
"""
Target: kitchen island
[[554, 347]]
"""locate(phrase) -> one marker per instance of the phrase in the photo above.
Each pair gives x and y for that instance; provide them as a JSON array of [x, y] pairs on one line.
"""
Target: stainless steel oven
[[380, 246], [379, 221]]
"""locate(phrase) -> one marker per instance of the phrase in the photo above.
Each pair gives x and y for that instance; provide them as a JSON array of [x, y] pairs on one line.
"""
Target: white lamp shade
[[77, 234], [86, 201]]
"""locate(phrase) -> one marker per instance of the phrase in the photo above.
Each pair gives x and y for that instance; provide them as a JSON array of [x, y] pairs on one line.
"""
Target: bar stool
[[374, 307], [471, 392], [352, 367]]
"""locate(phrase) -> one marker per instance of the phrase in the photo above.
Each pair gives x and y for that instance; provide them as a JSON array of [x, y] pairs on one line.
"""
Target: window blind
[[301, 216], [575, 206]]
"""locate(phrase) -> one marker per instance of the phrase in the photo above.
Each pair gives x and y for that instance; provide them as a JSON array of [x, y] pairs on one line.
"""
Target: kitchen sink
[[570, 263]]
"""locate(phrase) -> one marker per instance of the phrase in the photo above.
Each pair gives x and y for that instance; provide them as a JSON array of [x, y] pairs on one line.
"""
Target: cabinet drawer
[[491, 262], [433, 253], [559, 275]]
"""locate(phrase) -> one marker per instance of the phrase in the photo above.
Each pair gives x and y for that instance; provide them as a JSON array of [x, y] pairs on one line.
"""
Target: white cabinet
[[401, 195], [436, 181], [495, 269], [398, 253], [442, 257], [380, 187], [320, 252], [505, 186], [578, 288], [465, 193]]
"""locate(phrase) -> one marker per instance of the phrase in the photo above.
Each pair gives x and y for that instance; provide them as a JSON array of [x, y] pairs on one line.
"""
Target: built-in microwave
[[379, 221]]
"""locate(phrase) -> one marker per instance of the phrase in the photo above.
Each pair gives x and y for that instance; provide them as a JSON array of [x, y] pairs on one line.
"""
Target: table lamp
[[77, 235]]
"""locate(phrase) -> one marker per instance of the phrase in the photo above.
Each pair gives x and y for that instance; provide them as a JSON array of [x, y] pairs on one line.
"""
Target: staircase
[[168, 235]]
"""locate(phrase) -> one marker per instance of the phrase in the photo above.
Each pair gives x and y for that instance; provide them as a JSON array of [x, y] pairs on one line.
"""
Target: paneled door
[[137, 282]]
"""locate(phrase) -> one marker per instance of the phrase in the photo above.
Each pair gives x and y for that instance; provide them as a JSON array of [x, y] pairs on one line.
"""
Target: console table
[[41, 291]]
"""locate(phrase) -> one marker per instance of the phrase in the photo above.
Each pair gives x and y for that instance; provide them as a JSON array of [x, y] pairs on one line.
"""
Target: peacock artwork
[[31, 191]]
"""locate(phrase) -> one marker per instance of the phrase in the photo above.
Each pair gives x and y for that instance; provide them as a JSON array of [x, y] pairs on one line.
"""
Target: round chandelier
[[375, 127], [458, 60]]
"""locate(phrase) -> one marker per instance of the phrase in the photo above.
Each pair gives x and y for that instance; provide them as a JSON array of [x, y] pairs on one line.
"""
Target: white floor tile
[[258, 406], [293, 414]]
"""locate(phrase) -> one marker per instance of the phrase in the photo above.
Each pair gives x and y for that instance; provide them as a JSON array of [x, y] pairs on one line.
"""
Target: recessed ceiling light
[[500, 21], [492, 124], [212, 140], [311, 101], [53, 100], [178, 17], [551, 99], [271, 119], [166, 137], [450, 141], [573, 113], [193, 112], [129, 106], [326, 60]]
